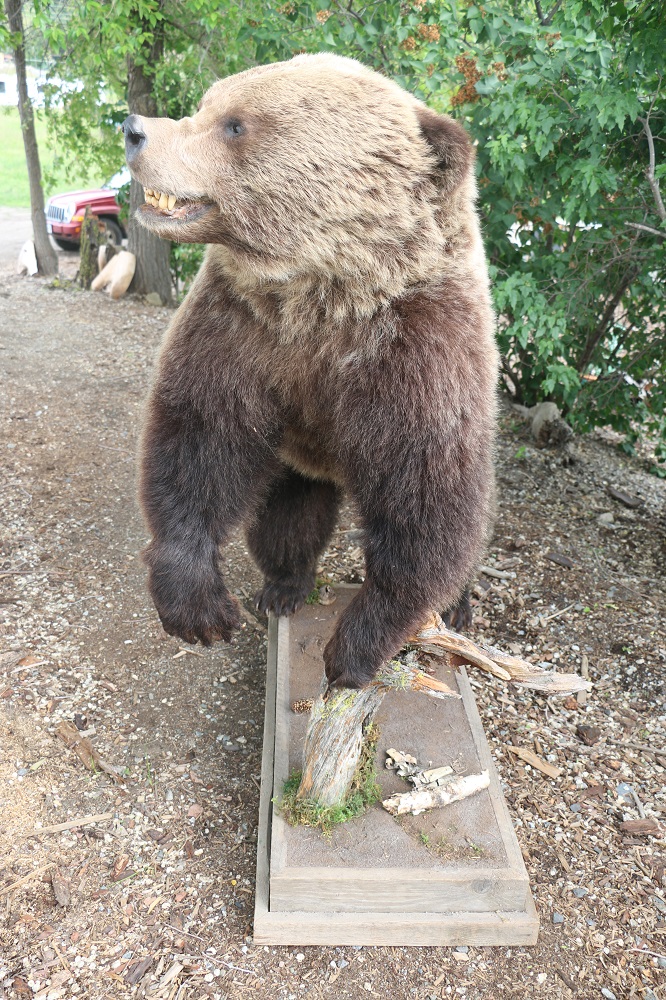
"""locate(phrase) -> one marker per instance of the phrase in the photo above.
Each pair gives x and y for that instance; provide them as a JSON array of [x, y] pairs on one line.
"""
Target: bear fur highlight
[[338, 339]]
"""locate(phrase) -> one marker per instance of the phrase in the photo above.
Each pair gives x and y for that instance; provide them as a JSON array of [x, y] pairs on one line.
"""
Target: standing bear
[[338, 340]]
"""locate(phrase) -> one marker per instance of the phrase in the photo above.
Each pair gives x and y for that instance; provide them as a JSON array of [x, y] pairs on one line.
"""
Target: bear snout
[[135, 136]]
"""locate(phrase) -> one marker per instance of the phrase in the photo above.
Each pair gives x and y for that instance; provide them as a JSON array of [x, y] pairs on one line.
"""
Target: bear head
[[316, 166]]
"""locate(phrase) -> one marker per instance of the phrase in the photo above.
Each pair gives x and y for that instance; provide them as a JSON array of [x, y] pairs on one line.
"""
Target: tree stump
[[339, 720], [91, 238]]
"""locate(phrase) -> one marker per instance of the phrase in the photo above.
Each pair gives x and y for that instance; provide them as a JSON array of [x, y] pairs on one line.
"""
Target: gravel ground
[[155, 898]]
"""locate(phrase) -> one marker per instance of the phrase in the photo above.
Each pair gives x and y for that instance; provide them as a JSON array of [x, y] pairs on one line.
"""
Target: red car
[[64, 212]]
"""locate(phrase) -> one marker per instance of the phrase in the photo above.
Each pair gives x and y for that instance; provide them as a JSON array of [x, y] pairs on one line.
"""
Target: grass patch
[[15, 191], [363, 793]]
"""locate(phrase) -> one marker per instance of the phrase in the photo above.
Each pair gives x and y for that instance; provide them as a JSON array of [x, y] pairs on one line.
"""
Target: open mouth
[[172, 207]]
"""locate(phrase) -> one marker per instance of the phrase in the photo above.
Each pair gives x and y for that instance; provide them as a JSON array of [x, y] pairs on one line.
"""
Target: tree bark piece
[[338, 720], [47, 258], [84, 750], [420, 800]]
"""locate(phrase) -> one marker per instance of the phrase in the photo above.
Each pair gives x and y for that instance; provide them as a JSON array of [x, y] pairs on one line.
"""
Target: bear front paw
[[194, 607], [347, 669], [459, 617]]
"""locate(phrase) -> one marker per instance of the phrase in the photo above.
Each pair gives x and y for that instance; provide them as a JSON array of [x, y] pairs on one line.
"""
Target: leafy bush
[[185, 259]]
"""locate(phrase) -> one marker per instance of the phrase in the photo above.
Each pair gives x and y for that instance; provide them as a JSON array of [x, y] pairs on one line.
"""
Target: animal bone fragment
[[397, 757], [433, 777], [422, 799], [402, 763]]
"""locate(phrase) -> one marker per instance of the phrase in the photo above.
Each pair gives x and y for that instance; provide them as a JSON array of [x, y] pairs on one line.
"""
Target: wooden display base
[[453, 876]]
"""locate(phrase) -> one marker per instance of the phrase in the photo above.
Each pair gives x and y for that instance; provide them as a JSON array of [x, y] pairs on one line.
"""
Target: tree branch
[[607, 315], [546, 19], [649, 173], [647, 229]]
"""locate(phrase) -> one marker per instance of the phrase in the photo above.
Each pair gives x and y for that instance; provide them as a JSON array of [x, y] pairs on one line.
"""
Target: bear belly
[[306, 452]]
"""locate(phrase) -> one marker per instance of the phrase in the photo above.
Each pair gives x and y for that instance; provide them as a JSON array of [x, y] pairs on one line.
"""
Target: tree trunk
[[152, 253], [90, 241], [47, 258]]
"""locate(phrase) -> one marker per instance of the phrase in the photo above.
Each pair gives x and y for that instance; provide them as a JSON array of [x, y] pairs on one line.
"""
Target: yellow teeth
[[158, 199]]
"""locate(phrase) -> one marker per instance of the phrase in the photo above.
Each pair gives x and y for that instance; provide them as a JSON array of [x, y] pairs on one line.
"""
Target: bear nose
[[135, 137]]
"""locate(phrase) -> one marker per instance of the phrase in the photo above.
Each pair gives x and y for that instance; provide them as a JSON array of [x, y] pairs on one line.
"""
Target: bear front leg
[[424, 495], [202, 472], [406, 579]]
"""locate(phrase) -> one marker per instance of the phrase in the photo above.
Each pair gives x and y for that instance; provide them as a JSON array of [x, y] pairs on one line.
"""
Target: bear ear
[[450, 144]]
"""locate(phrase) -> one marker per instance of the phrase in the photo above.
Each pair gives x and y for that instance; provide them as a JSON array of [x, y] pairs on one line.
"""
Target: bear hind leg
[[287, 536], [459, 617]]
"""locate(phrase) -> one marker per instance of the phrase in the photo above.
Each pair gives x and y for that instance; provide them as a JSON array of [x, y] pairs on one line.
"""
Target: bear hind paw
[[285, 596]]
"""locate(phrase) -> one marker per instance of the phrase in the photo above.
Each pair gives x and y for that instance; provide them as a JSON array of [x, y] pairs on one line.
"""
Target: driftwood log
[[340, 717], [419, 799]]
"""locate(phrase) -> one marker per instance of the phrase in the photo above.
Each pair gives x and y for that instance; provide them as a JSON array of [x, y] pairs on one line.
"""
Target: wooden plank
[[417, 929], [397, 891], [261, 901], [280, 828], [500, 808]]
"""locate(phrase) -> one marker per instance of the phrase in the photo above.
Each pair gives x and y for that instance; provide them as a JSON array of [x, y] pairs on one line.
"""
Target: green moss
[[363, 792], [313, 596]]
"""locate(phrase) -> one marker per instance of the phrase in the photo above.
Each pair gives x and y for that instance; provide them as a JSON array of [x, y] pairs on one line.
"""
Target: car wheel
[[113, 232], [66, 244]]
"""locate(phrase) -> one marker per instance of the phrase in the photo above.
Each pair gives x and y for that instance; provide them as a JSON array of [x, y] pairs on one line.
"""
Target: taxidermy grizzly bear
[[337, 340]]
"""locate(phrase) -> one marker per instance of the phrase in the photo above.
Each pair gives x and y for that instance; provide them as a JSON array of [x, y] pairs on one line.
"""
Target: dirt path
[[156, 900]]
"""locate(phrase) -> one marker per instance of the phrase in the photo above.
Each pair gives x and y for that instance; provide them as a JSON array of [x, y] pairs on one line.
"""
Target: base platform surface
[[450, 876]]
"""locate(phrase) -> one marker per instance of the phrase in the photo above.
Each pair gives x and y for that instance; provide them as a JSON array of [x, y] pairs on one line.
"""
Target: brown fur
[[338, 336]]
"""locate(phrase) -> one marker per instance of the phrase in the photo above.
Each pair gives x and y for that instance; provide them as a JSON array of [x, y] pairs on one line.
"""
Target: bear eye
[[233, 128]]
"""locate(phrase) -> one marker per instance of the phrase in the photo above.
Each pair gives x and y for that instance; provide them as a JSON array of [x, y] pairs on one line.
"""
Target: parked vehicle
[[64, 212]]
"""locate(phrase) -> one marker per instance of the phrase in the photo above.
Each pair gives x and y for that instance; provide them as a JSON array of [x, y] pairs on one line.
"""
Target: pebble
[[579, 892], [608, 994], [558, 918]]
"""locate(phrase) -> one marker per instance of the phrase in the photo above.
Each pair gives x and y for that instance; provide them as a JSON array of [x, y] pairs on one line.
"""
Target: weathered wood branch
[[435, 636], [340, 717]]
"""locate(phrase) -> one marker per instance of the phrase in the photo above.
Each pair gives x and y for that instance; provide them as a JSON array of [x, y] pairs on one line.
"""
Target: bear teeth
[[159, 199]]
